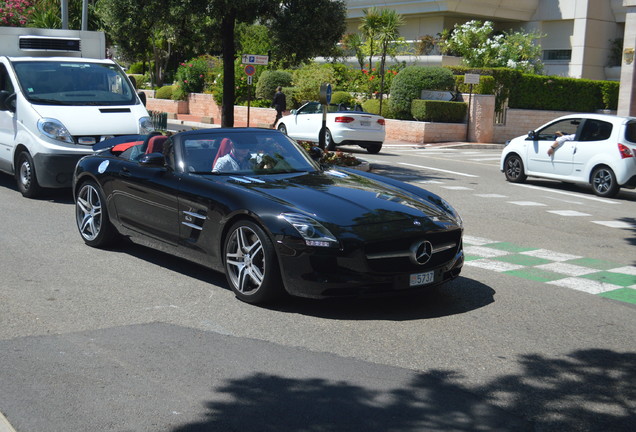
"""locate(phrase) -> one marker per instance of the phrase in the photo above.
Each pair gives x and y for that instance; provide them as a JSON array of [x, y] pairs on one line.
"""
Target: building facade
[[583, 38]]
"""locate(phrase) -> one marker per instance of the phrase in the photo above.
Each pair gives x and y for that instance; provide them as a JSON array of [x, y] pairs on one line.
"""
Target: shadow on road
[[588, 390]]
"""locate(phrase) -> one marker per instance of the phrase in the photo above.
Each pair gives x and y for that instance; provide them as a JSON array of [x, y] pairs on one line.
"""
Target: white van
[[58, 97]]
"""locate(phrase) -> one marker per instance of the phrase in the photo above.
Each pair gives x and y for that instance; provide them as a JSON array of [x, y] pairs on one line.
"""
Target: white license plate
[[365, 122], [422, 278]]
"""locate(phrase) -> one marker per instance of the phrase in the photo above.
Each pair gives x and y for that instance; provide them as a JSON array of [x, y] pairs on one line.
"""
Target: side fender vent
[[45, 43]]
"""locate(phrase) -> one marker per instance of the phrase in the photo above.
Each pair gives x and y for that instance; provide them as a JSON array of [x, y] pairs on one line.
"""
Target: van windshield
[[74, 83]]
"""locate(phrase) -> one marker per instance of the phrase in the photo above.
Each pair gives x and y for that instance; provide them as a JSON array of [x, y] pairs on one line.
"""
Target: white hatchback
[[599, 151]]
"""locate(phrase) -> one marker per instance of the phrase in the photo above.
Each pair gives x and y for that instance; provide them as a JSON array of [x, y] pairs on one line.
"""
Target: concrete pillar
[[627, 92], [481, 124]]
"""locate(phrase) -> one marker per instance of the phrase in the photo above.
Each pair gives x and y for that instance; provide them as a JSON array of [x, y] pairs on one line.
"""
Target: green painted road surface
[[604, 278]]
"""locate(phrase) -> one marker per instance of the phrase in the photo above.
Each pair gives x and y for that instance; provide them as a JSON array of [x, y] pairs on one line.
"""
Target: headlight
[[54, 129], [311, 231], [145, 125]]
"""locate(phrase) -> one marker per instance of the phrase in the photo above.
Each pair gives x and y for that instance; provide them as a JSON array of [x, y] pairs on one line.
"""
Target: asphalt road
[[134, 340]]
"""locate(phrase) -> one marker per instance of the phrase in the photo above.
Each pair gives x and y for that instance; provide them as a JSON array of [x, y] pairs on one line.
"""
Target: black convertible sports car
[[255, 205]]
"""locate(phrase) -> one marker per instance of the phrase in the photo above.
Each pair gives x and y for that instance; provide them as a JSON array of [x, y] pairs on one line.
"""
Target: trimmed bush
[[165, 92], [557, 93], [409, 83], [505, 80], [269, 80], [342, 97], [307, 81], [439, 111], [487, 85], [373, 106]]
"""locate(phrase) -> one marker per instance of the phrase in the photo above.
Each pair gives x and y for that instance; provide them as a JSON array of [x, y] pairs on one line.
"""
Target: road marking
[[457, 188], [603, 278], [438, 169], [527, 203], [5, 426], [568, 213], [591, 198], [615, 224], [490, 196]]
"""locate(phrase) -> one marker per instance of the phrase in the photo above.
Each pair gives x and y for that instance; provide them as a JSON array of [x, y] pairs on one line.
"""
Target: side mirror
[[532, 135], [142, 96], [153, 159], [294, 112], [7, 101]]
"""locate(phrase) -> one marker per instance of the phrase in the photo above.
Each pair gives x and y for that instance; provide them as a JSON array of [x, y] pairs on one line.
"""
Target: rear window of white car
[[630, 132]]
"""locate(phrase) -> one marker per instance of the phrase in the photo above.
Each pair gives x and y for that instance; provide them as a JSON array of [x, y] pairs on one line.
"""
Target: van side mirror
[[7, 101], [142, 97]]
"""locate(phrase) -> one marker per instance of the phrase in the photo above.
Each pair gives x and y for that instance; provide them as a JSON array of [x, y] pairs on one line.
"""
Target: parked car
[[345, 125], [600, 152], [280, 223]]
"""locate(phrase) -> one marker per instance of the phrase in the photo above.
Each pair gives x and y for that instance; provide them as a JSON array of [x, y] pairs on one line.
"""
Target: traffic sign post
[[325, 100], [255, 59]]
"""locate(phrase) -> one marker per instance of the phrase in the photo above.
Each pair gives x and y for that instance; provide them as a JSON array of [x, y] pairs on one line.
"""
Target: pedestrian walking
[[279, 103]]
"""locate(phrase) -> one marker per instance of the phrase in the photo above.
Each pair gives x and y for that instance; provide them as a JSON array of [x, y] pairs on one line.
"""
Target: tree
[[475, 43], [388, 31], [289, 22], [370, 27], [353, 42]]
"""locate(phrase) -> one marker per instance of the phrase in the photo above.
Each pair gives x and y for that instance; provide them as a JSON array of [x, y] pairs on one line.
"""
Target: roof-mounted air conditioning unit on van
[[35, 42]]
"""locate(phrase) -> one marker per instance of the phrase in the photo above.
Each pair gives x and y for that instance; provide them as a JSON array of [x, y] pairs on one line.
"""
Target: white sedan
[[595, 149], [344, 126]]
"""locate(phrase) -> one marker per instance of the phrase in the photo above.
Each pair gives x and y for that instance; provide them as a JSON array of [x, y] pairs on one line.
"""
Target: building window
[[557, 55]]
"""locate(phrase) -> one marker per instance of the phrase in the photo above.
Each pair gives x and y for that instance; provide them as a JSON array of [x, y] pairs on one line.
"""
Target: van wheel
[[25, 176], [604, 182]]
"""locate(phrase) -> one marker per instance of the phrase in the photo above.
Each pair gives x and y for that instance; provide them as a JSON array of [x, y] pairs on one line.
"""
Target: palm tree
[[388, 31], [370, 27]]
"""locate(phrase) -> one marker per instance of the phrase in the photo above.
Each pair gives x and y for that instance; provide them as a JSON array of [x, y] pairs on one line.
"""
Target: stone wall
[[424, 132], [520, 121]]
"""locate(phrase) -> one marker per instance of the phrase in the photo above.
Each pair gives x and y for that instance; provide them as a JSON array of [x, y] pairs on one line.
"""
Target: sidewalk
[[450, 144]]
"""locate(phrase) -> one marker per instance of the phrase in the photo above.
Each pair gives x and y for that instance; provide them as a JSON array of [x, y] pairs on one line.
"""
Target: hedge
[[487, 85], [563, 94], [438, 111], [409, 83], [373, 106]]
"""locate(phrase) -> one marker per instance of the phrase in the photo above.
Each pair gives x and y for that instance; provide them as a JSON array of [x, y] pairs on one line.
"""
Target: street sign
[[255, 59], [249, 79], [471, 78], [250, 70], [325, 94]]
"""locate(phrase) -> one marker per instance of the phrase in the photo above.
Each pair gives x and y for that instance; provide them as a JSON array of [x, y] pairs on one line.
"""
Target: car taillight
[[625, 151], [381, 122], [344, 119]]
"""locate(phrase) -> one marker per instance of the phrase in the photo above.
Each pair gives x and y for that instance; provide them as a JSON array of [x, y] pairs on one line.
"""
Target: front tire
[[282, 128], [25, 176], [251, 266], [604, 182], [513, 169], [91, 216]]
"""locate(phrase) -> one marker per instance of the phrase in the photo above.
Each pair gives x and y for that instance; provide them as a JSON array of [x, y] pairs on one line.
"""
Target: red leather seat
[[120, 148], [224, 148], [155, 144]]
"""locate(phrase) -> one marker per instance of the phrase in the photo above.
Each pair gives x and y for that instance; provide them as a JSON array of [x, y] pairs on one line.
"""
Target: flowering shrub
[[332, 157], [193, 75], [15, 13], [474, 42]]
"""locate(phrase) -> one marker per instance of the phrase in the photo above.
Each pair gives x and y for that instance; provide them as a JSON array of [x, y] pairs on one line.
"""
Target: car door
[[145, 199], [560, 163], [592, 140], [307, 122]]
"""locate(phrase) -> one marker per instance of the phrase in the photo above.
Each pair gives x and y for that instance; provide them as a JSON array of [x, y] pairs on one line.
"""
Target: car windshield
[[244, 153], [74, 83]]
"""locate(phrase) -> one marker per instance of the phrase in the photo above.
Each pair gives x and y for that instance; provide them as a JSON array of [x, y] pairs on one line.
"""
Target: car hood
[[344, 199]]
